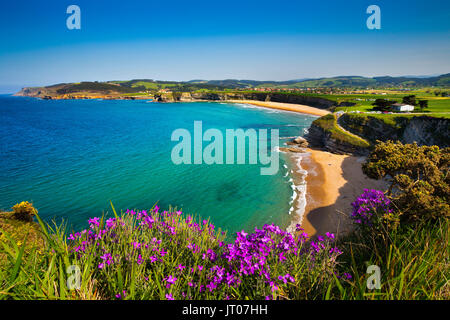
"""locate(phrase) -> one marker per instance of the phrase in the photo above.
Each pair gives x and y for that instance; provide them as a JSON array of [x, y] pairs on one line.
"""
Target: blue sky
[[183, 40]]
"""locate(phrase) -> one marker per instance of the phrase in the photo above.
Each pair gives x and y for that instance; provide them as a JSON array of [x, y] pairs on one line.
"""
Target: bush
[[419, 178], [24, 211]]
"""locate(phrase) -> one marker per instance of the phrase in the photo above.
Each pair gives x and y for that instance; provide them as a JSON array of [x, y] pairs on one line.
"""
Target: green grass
[[436, 105], [18, 232], [329, 124], [177, 243], [414, 263]]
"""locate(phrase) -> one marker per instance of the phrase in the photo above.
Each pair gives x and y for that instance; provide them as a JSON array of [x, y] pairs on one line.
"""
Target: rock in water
[[299, 141]]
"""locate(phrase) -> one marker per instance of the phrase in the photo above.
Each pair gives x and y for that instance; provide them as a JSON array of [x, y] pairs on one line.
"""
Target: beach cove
[[324, 184]]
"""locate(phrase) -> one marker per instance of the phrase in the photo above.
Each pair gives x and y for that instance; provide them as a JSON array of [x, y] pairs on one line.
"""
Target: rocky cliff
[[320, 137], [258, 96], [424, 130], [356, 133]]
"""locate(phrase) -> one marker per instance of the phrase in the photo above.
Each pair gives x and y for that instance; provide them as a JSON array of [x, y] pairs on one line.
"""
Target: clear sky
[[245, 39]]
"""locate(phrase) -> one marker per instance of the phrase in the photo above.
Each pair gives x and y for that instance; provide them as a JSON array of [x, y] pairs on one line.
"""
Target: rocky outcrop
[[298, 142], [427, 131], [424, 130], [295, 145], [257, 96], [320, 138]]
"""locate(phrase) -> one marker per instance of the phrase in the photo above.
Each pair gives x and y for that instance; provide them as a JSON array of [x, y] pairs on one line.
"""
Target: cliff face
[[112, 91], [338, 136], [321, 138], [424, 130], [258, 96], [428, 131]]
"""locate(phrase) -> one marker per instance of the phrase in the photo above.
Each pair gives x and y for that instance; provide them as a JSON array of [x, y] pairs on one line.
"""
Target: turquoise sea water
[[71, 157]]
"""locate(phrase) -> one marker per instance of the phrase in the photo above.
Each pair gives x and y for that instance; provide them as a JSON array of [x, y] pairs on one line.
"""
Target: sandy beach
[[333, 182], [285, 106]]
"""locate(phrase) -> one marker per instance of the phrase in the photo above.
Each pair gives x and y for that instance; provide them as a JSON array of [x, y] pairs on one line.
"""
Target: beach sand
[[284, 106], [333, 182]]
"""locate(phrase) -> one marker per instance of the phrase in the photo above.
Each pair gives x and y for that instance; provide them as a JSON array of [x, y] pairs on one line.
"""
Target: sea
[[72, 158]]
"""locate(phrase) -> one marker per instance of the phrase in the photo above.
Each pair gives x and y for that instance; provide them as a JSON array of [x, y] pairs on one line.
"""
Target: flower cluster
[[369, 206], [170, 256]]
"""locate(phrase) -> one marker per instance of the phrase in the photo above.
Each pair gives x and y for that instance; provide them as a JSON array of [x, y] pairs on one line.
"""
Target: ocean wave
[[297, 202]]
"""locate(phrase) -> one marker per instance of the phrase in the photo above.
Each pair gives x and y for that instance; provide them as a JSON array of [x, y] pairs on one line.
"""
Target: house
[[402, 107]]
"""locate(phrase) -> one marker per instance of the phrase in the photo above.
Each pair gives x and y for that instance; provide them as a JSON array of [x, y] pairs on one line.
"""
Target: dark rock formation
[[422, 129], [298, 142]]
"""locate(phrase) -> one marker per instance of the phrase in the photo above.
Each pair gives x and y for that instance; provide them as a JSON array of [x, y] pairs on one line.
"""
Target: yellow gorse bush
[[24, 211]]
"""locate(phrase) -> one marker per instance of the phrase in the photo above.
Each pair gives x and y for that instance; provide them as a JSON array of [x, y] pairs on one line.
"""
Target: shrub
[[24, 211], [419, 178]]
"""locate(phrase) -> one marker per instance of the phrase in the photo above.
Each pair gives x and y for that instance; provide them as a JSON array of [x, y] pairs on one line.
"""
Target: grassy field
[[364, 101]]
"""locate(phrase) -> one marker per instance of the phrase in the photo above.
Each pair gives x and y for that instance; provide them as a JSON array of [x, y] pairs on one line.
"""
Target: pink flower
[[169, 296]]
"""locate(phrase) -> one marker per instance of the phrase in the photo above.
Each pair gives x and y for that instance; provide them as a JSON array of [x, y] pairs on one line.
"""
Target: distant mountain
[[336, 82], [149, 85]]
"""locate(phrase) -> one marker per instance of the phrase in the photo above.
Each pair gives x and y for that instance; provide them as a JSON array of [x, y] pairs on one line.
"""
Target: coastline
[[333, 182], [283, 106], [324, 184]]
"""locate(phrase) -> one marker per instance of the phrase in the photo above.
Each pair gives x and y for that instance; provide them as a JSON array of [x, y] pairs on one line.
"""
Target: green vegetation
[[19, 233], [155, 86], [406, 231], [95, 87], [329, 124], [418, 175], [335, 82], [168, 255], [365, 102], [413, 260]]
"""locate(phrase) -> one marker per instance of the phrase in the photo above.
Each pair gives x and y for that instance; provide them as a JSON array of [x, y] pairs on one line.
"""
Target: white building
[[402, 107]]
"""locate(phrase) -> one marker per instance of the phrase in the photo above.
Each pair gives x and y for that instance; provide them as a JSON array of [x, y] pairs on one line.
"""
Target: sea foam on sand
[[298, 184]]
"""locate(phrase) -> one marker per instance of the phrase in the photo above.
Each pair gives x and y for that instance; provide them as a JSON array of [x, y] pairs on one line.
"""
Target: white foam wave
[[298, 200]]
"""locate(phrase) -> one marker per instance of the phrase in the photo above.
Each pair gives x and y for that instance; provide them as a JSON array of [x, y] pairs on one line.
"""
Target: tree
[[423, 104], [411, 100], [418, 175], [382, 104]]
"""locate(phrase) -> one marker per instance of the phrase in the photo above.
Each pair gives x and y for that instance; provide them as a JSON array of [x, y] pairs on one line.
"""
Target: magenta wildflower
[[94, 222], [370, 203], [169, 296], [170, 281], [181, 267]]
